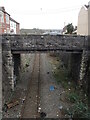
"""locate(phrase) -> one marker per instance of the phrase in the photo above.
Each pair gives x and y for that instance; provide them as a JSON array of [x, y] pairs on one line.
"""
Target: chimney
[[2, 8]]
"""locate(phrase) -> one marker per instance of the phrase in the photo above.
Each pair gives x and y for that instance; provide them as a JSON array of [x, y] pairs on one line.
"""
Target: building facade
[[89, 19], [4, 21], [83, 27], [7, 24], [14, 27]]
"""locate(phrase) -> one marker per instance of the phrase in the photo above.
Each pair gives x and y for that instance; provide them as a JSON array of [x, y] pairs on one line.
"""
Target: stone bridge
[[14, 45], [28, 43]]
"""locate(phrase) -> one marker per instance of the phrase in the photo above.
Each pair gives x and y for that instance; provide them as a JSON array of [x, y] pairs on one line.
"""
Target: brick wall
[[4, 27], [17, 28]]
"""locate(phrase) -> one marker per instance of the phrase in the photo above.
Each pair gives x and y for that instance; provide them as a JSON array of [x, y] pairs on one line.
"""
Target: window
[[7, 19], [4, 31], [1, 17]]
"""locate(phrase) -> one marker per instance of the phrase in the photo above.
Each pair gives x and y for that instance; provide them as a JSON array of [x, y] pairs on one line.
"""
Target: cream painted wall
[[82, 27]]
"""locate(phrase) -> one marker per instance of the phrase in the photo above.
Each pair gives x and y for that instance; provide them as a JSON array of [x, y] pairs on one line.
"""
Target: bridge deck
[[44, 43]]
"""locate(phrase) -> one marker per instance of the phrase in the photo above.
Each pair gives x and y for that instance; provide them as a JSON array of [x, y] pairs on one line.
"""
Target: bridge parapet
[[46, 42]]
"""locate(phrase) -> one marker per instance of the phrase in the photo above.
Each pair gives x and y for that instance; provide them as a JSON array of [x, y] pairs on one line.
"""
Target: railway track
[[31, 105]]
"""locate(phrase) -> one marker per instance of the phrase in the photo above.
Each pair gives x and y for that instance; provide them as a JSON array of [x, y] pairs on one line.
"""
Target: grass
[[73, 97], [78, 110], [80, 105]]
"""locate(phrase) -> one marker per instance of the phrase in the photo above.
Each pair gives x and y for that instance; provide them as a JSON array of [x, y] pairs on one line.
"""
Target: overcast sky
[[44, 14]]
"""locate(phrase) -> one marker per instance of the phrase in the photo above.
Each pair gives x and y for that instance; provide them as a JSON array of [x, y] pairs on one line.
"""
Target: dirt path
[[50, 100]]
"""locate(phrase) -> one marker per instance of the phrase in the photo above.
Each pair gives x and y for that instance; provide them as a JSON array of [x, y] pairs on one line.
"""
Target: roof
[[87, 6], [13, 20], [3, 10]]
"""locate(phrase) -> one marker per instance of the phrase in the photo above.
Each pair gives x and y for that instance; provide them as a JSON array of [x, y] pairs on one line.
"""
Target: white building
[[83, 27], [12, 26]]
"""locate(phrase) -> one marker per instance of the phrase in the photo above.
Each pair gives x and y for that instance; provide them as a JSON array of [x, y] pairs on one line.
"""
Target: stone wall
[[84, 70], [71, 62], [78, 67], [88, 78], [7, 70], [0, 77], [47, 42]]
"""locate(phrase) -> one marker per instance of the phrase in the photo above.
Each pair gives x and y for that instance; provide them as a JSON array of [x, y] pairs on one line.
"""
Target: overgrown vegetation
[[79, 105], [73, 97], [78, 110], [78, 100]]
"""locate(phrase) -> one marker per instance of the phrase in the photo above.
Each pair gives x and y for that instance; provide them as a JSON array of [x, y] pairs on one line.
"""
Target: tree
[[70, 28]]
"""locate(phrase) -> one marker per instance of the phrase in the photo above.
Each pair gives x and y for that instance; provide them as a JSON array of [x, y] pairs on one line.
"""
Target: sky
[[44, 14]]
